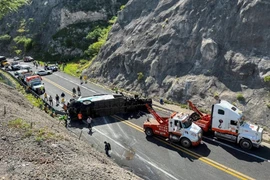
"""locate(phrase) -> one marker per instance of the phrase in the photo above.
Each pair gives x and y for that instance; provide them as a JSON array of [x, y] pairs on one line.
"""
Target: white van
[[25, 66]]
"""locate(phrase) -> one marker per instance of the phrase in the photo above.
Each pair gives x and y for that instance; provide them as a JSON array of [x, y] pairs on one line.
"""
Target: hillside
[[192, 50], [55, 30], [45, 150]]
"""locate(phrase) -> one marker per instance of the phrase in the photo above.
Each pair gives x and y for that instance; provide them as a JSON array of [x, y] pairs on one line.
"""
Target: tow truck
[[177, 128], [228, 123], [35, 83]]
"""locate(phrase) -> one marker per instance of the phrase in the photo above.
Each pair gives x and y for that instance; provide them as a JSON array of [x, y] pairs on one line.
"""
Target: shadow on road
[[246, 155], [77, 124], [190, 153]]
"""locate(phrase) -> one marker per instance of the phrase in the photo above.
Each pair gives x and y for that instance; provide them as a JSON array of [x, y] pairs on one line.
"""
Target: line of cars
[[25, 73]]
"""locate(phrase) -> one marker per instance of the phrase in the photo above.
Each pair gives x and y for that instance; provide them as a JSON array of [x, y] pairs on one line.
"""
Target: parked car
[[43, 72], [28, 59], [52, 67], [15, 66], [22, 71], [16, 58], [27, 67]]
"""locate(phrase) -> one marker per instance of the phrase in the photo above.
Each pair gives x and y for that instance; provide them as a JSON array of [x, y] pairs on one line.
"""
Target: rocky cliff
[[54, 29], [187, 49]]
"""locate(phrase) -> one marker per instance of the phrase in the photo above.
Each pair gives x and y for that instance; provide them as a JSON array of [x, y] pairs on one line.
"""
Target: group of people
[[49, 98], [83, 78], [36, 63], [74, 91]]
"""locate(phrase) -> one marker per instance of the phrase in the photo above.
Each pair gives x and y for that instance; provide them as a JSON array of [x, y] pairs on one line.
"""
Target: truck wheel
[[185, 142], [149, 132], [245, 144]]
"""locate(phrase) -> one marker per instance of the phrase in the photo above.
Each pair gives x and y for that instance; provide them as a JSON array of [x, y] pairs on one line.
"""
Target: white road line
[[141, 158], [125, 134], [253, 155], [114, 134], [75, 83]]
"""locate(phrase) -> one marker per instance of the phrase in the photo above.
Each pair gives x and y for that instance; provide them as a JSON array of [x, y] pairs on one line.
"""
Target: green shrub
[[5, 37], [240, 97], [18, 51], [27, 42], [99, 36], [140, 76], [31, 20], [28, 133], [94, 48], [113, 20], [19, 123], [83, 61], [266, 79], [39, 139], [122, 7], [95, 34], [268, 105]]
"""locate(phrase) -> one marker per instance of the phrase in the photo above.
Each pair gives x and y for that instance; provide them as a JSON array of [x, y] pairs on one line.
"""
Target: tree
[[7, 6]]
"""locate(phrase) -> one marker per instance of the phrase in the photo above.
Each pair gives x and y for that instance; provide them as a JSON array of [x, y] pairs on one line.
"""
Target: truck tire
[[185, 142], [149, 132], [245, 144]]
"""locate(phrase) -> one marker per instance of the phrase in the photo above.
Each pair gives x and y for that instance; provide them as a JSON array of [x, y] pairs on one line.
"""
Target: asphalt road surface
[[155, 158]]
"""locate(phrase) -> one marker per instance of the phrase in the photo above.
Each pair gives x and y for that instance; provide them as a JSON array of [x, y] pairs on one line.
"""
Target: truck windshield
[[241, 120], [36, 83], [186, 123]]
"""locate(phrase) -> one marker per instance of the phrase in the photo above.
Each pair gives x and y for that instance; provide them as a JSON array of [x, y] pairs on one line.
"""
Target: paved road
[[154, 158]]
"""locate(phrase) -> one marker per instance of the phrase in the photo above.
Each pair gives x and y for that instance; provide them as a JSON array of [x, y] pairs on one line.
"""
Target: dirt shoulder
[[35, 146]]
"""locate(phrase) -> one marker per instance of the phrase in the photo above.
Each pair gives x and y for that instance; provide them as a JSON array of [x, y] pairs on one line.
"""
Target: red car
[[28, 59]]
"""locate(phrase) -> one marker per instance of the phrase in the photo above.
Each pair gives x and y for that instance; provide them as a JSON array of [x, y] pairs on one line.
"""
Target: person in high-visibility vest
[[85, 79], [65, 108], [79, 116]]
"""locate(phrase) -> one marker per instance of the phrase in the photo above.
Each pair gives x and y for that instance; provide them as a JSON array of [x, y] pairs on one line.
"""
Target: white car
[[43, 72]]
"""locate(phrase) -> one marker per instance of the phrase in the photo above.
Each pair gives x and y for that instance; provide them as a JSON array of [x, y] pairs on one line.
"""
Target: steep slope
[[36, 147], [191, 49]]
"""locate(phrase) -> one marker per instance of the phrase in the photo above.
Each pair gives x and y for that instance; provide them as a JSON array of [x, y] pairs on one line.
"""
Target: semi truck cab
[[229, 123]]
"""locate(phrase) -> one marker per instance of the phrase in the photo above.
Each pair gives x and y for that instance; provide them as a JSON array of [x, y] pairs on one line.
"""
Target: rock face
[[191, 50], [57, 28]]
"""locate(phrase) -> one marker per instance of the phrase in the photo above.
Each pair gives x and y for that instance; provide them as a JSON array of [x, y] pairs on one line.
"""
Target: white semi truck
[[228, 123]]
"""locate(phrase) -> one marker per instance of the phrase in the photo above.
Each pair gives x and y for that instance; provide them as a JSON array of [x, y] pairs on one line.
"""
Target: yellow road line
[[189, 152], [57, 85], [128, 123]]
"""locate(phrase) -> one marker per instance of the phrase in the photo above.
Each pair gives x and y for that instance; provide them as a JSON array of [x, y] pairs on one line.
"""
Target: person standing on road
[[74, 92], [51, 101], [45, 97], [81, 79], [57, 99], [79, 91], [85, 79], [89, 122], [107, 148], [63, 95], [65, 108]]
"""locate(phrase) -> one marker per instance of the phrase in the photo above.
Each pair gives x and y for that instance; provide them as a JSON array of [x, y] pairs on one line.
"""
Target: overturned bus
[[105, 105]]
